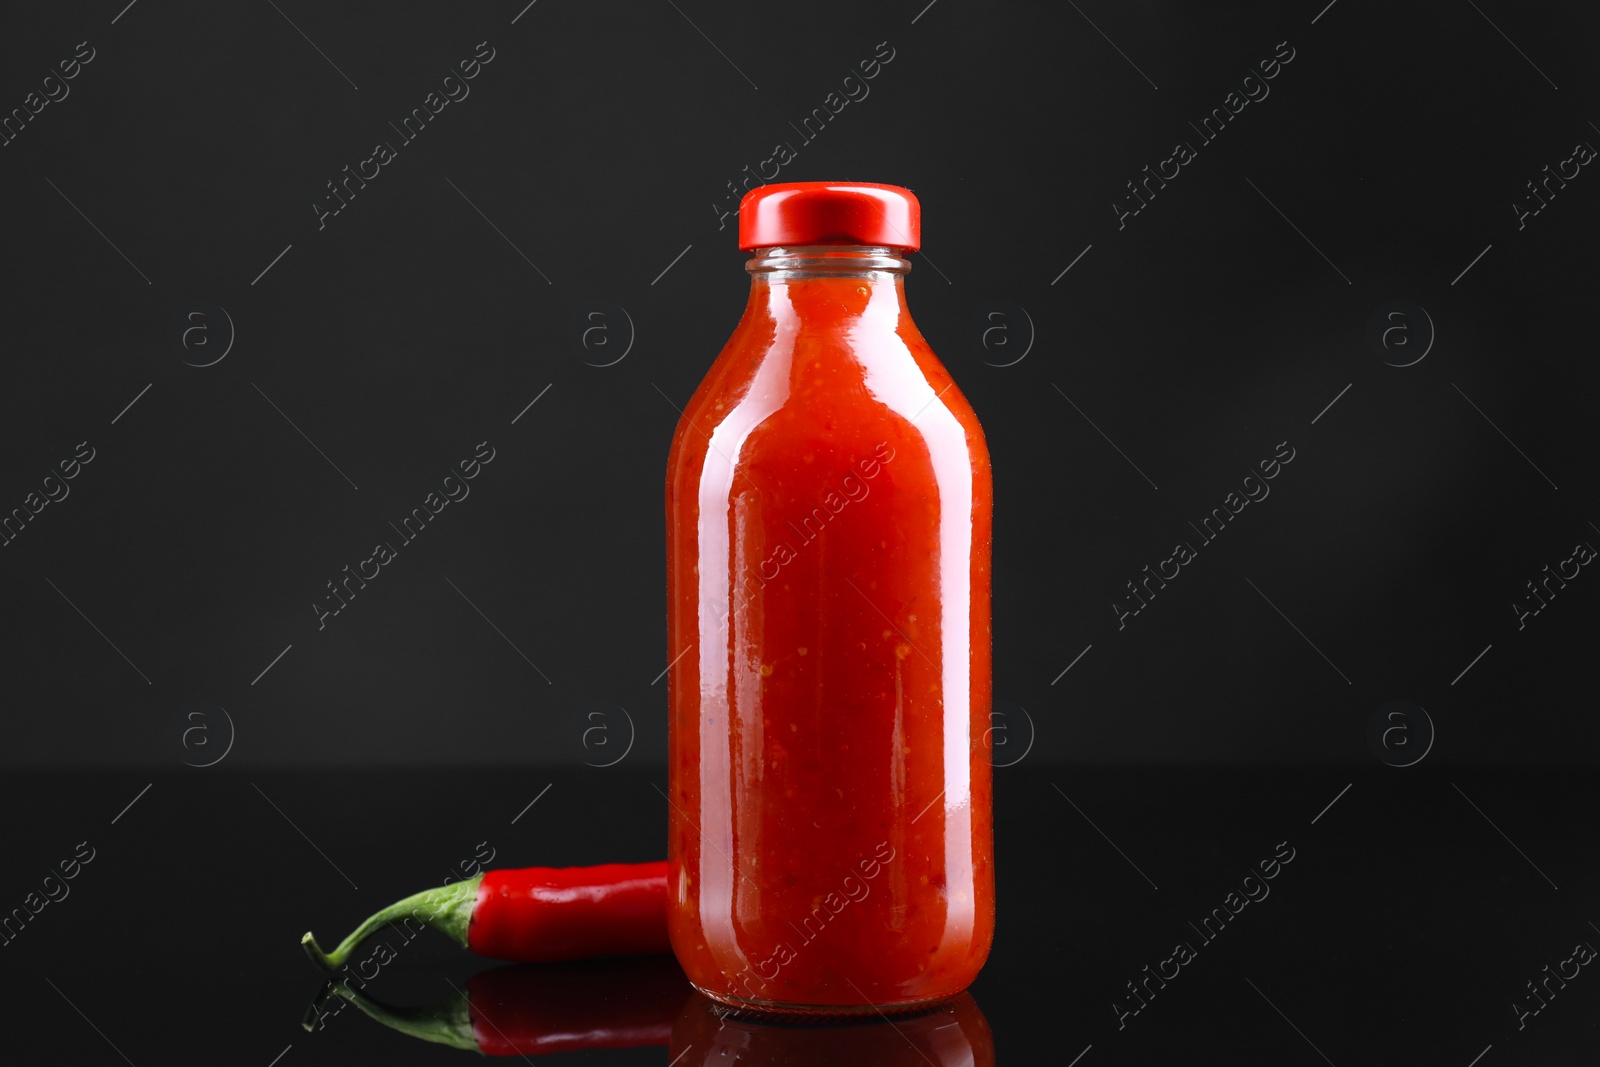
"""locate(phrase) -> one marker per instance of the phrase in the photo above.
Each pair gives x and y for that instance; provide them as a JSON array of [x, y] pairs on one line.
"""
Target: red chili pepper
[[529, 1010], [535, 914]]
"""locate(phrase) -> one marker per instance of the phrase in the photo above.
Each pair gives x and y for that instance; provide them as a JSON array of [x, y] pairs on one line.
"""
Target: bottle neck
[[874, 263], [859, 284]]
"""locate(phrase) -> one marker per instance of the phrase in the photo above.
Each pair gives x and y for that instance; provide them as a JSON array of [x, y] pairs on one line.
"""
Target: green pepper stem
[[450, 1023], [447, 909]]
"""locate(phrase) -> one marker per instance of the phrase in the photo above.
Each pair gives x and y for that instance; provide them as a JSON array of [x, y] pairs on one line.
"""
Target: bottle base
[[778, 1011]]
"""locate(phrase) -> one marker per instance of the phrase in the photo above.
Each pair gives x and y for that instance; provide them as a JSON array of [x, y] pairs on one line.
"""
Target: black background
[[591, 162], [600, 141]]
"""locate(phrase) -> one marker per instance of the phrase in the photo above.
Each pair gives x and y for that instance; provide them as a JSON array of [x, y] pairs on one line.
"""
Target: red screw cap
[[830, 213]]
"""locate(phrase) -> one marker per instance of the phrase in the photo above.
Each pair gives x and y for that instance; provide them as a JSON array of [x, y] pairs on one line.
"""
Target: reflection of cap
[[830, 213]]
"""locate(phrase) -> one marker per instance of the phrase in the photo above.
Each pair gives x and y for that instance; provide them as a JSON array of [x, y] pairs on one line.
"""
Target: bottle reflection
[[954, 1034], [536, 1009]]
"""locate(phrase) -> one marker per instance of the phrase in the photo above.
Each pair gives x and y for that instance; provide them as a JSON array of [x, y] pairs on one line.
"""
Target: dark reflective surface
[[1398, 925], [642, 1003]]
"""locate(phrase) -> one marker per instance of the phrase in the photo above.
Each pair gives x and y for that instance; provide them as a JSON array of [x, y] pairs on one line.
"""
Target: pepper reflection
[[529, 1009], [534, 1009]]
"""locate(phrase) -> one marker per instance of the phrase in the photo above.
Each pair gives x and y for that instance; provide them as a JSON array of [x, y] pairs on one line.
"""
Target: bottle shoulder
[[827, 380], [821, 370]]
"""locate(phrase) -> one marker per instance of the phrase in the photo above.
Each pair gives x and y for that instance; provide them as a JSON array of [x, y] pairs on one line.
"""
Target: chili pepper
[[534, 914], [533, 1009]]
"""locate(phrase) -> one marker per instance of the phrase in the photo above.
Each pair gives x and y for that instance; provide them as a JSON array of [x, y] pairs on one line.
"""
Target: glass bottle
[[828, 535]]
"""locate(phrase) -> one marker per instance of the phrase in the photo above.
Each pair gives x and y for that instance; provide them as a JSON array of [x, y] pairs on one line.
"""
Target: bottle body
[[828, 508]]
